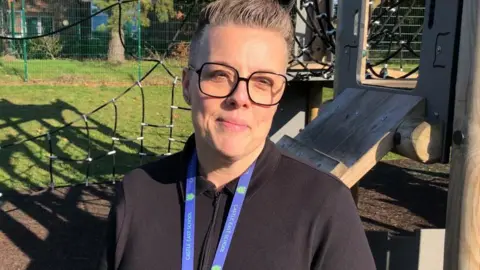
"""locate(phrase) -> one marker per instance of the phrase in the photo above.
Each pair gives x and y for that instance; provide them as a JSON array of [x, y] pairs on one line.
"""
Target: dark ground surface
[[64, 229]]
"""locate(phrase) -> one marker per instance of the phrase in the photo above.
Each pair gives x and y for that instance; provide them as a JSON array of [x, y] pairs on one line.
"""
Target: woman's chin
[[231, 148], [231, 152]]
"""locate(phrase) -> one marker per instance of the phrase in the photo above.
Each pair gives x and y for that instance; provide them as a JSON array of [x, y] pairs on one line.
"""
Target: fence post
[[12, 24], [24, 30], [139, 38]]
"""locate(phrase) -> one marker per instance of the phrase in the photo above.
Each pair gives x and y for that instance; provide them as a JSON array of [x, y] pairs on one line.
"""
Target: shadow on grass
[[37, 151], [61, 228], [9, 70]]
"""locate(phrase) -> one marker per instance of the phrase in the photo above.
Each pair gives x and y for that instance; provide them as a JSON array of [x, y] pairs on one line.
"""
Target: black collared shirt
[[293, 217]]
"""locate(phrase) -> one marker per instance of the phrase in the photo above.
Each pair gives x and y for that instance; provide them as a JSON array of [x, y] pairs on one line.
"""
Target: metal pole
[[139, 38], [400, 37], [12, 24], [24, 27]]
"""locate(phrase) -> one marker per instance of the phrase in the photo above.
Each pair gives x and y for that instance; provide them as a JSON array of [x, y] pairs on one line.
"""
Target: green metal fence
[[90, 42], [393, 26]]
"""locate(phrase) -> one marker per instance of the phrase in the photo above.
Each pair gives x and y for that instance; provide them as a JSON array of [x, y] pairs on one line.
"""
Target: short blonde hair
[[267, 14]]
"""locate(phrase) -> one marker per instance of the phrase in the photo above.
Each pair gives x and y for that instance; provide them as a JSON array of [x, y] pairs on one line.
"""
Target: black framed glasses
[[220, 80]]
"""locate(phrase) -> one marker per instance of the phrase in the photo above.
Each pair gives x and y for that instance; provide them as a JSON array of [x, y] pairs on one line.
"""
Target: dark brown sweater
[[293, 217]]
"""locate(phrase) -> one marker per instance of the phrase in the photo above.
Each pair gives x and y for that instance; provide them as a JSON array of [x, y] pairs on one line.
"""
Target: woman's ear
[[186, 85]]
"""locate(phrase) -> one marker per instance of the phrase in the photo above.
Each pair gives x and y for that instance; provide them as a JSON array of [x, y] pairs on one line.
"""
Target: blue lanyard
[[189, 218]]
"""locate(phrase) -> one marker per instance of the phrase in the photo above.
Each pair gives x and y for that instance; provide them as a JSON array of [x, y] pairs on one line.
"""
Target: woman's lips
[[231, 124]]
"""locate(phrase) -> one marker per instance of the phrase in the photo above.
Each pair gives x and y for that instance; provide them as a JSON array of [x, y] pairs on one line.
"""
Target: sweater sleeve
[[344, 245]]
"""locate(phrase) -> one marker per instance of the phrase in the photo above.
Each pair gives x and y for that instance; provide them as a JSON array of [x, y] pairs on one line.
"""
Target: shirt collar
[[208, 188], [264, 168]]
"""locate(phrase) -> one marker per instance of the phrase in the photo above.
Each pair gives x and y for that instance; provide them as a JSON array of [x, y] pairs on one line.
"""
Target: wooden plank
[[392, 83], [382, 121], [338, 116], [462, 237], [315, 105], [357, 128], [361, 63], [370, 140], [341, 120], [321, 161], [430, 248]]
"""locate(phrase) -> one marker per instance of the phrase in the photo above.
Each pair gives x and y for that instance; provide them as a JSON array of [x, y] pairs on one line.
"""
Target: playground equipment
[[415, 117]]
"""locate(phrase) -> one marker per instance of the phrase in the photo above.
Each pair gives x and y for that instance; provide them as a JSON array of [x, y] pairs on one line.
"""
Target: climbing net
[[393, 36], [386, 42], [321, 37], [322, 34]]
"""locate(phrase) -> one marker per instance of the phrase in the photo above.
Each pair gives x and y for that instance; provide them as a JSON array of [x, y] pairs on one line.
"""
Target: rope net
[[394, 37], [392, 46], [318, 48], [319, 41]]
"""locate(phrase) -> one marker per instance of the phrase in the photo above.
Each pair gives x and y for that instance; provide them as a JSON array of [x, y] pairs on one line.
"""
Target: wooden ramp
[[353, 132]]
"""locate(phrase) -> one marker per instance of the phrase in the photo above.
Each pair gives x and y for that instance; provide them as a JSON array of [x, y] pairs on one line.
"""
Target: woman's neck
[[219, 169]]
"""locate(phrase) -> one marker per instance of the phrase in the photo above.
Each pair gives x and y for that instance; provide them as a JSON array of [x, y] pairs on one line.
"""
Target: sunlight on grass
[[35, 110], [64, 71]]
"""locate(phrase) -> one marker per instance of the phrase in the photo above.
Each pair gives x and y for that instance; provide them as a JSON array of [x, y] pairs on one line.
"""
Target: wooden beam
[[357, 129], [430, 244], [315, 106], [462, 237], [363, 30], [419, 140]]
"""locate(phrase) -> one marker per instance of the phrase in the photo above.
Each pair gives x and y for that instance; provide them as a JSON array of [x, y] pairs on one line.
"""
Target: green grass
[[33, 110], [83, 72]]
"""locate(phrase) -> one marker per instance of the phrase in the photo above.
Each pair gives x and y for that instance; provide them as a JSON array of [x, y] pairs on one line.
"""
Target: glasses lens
[[266, 88], [217, 80]]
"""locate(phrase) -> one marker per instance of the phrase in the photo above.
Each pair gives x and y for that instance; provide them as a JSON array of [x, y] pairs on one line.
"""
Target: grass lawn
[[33, 110], [61, 91], [396, 66], [89, 72]]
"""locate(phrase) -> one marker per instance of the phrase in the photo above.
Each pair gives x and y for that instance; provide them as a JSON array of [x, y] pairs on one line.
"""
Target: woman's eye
[[264, 81]]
